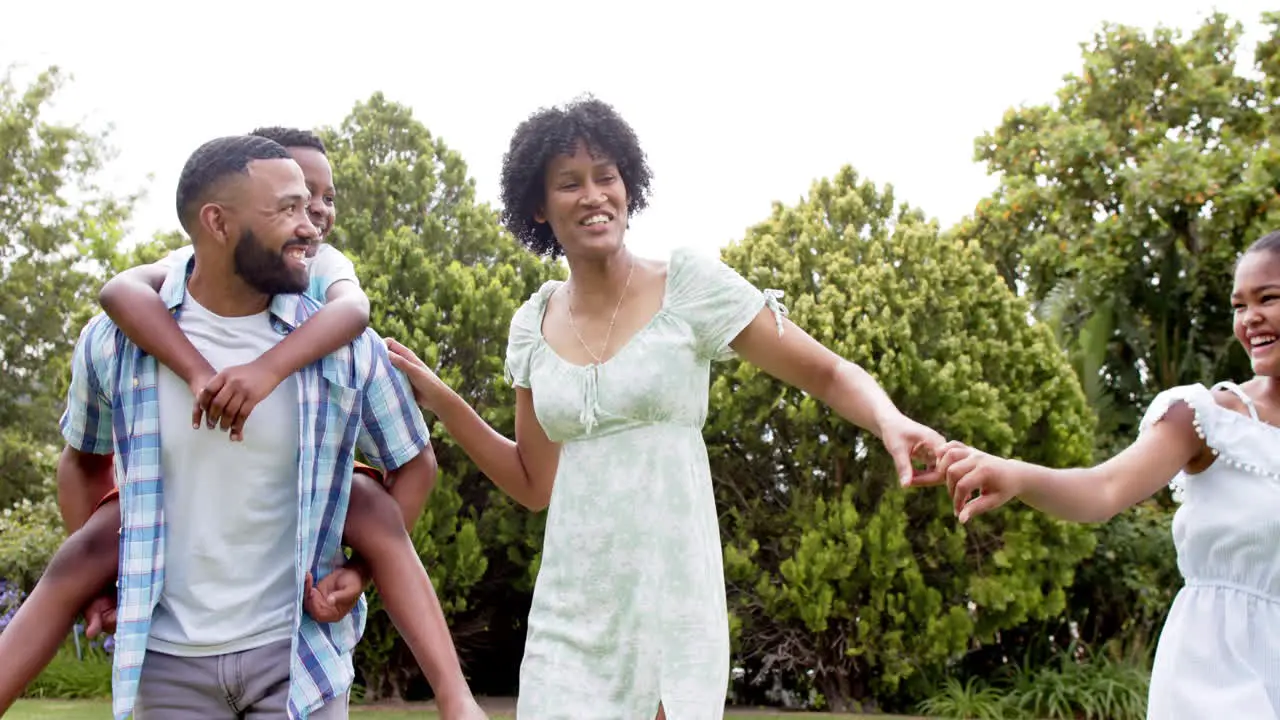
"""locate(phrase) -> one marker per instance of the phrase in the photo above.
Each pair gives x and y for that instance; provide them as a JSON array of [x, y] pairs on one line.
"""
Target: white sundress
[[1219, 653], [629, 603]]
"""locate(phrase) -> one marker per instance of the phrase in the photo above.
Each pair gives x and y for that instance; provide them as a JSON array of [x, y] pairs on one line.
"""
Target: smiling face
[[272, 230], [318, 175], [1256, 301], [585, 203]]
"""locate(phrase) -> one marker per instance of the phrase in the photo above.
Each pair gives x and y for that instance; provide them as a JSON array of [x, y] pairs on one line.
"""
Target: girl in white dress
[[611, 370], [1219, 449]]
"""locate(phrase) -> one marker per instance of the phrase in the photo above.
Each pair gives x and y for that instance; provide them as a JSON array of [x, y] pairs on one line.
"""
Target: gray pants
[[249, 685]]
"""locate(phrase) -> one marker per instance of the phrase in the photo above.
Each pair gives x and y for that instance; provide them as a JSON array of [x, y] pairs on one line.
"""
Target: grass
[[97, 710]]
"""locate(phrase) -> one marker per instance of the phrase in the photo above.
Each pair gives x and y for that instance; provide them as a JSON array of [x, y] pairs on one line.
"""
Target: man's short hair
[[213, 162]]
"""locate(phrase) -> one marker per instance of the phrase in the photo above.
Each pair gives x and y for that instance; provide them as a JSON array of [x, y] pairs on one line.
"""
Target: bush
[[970, 700], [10, 598], [1102, 687], [832, 568], [1100, 690], [1125, 589], [75, 677], [30, 532], [1121, 596], [26, 464]]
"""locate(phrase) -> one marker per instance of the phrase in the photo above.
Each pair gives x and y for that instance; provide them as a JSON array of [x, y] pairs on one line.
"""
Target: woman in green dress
[[612, 373]]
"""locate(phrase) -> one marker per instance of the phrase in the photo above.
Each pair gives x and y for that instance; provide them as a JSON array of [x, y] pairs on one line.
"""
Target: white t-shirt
[[231, 509], [327, 267]]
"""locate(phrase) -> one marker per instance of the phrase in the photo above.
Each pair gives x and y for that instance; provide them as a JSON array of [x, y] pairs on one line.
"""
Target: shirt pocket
[[340, 407]]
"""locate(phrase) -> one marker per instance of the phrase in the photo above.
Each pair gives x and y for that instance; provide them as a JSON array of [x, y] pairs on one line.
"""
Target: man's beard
[[264, 270]]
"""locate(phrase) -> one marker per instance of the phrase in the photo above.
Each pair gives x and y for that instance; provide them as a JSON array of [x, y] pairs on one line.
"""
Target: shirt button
[[135, 382]]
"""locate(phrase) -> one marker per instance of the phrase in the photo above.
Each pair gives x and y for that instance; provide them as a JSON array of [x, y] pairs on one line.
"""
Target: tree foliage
[[444, 279], [833, 569], [1123, 205], [57, 228], [1121, 209]]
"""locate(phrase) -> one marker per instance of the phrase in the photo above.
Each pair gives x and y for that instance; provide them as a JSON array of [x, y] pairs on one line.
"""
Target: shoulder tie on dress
[[771, 301]]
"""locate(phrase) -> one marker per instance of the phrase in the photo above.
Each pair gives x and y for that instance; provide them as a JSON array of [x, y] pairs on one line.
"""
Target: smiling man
[[217, 537]]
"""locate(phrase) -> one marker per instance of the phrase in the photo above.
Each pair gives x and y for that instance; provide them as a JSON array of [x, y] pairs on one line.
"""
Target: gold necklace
[[614, 319]]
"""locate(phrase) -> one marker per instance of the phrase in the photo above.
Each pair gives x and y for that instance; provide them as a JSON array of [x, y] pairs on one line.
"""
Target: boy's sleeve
[[328, 267], [179, 256], [392, 429]]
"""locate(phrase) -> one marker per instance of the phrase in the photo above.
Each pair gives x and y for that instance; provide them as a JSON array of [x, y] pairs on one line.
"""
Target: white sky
[[737, 104]]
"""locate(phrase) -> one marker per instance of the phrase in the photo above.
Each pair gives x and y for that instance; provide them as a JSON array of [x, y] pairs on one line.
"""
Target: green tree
[[1122, 206], [444, 279], [839, 581], [149, 251], [1121, 209], [57, 229]]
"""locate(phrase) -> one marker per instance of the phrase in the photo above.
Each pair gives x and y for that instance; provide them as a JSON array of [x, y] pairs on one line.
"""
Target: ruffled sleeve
[[716, 302], [1207, 413], [524, 336]]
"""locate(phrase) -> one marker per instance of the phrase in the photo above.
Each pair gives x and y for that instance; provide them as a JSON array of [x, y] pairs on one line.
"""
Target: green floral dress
[[629, 604]]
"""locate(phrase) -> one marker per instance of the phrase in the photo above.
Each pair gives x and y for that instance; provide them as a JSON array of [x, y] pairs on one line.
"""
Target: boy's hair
[[291, 137], [212, 163], [557, 131]]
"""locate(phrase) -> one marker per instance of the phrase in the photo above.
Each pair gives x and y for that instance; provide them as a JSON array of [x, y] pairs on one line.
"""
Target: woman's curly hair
[[556, 131]]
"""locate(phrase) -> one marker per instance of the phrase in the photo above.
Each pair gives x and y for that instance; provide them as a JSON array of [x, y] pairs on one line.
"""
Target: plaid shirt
[[352, 397]]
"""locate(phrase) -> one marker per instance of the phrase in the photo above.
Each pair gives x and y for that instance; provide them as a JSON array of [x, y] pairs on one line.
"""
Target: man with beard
[[218, 538]]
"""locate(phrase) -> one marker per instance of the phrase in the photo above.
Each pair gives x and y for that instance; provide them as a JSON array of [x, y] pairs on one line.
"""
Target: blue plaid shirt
[[352, 397]]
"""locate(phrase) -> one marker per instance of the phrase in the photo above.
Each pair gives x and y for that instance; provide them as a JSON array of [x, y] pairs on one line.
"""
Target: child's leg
[[85, 564], [375, 530]]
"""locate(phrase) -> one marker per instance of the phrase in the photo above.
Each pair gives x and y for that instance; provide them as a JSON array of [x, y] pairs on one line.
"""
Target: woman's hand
[[425, 383], [907, 440]]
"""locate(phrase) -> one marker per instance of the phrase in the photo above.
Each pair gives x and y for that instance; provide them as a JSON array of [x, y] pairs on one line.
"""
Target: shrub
[[86, 676], [10, 598], [1098, 687], [972, 700], [1101, 688], [832, 568], [30, 532]]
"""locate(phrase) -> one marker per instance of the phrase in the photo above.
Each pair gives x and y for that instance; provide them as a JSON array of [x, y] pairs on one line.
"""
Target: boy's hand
[[232, 394], [198, 383], [335, 596], [971, 472], [100, 615]]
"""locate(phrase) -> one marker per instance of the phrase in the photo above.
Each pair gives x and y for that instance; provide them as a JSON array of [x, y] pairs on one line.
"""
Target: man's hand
[[335, 596], [232, 394], [100, 615]]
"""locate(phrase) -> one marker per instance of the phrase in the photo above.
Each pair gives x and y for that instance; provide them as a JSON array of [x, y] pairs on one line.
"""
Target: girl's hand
[[978, 482]]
